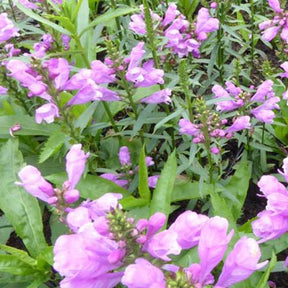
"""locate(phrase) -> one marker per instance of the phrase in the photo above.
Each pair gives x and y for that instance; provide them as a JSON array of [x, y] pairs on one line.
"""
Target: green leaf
[[5, 229], [108, 16], [40, 19], [85, 117], [52, 145], [11, 264], [143, 187], [91, 186], [263, 281], [184, 190], [28, 126], [21, 209], [132, 202], [238, 186], [19, 254], [83, 21], [162, 194], [221, 208]]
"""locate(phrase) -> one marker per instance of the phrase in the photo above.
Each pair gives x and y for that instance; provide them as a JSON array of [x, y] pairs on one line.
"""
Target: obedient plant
[[171, 111]]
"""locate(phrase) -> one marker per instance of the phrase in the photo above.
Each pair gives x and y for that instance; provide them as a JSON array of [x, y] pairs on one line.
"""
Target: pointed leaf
[[162, 194], [143, 177], [21, 209]]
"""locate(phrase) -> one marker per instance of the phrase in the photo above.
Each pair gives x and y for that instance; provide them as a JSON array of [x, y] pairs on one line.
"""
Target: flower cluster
[[122, 179], [112, 248], [264, 95], [181, 38], [279, 23], [34, 183], [273, 221]]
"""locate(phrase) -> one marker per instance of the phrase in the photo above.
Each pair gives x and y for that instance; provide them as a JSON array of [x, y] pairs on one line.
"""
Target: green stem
[[83, 54]]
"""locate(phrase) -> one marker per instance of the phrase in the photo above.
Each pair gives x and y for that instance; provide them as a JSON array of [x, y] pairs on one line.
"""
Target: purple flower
[[205, 24], [285, 169], [264, 112], [59, 71], [7, 29], [78, 217], [275, 5], [152, 181], [47, 113], [143, 274], [3, 90], [188, 226], [162, 96], [11, 50], [241, 122], [124, 156], [145, 76], [137, 24], [171, 13], [35, 184], [66, 41], [227, 105], [92, 261], [284, 66], [107, 280], [213, 244], [270, 33], [115, 178], [269, 184], [71, 196], [264, 92], [241, 262], [269, 226], [75, 164], [186, 127], [101, 73], [104, 204]]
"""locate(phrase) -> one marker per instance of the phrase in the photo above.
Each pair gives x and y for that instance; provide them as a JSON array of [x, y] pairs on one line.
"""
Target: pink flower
[[269, 226], [59, 71], [284, 66], [71, 196], [275, 5], [124, 156], [186, 127], [7, 29], [242, 122], [3, 90], [264, 92], [47, 113], [152, 181], [162, 96], [227, 105], [115, 178], [35, 184], [101, 73], [92, 260], [241, 262], [171, 13], [285, 169], [188, 226], [143, 274], [205, 24], [75, 164], [213, 244], [269, 184]]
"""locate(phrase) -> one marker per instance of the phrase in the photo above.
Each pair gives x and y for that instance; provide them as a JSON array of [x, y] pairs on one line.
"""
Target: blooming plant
[[132, 136]]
